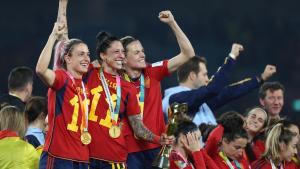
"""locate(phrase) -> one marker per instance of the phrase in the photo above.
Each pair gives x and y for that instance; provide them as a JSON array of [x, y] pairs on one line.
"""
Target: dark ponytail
[[104, 40]]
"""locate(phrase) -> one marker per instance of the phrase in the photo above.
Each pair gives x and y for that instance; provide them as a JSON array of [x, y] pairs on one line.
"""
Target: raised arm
[[186, 48], [241, 88], [62, 19], [194, 98], [47, 75]]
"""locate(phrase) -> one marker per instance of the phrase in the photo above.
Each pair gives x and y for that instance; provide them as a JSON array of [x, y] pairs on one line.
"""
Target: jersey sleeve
[[213, 140], [159, 70], [199, 162], [60, 79], [209, 162]]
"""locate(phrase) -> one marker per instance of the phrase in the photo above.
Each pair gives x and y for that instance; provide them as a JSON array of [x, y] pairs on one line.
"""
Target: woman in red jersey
[[226, 143], [67, 138], [186, 152], [281, 145], [147, 80], [256, 122], [295, 130], [113, 99]]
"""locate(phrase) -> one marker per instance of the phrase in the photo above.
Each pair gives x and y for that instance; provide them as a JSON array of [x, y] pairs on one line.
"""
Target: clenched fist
[[268, 72], [166, 17], [235, 50]]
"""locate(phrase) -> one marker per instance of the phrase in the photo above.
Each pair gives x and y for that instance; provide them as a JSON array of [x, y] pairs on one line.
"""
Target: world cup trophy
[[176, 110]]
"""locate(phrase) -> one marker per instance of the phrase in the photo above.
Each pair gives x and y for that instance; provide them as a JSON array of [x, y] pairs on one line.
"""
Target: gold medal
[[115, 131], [86, 138]]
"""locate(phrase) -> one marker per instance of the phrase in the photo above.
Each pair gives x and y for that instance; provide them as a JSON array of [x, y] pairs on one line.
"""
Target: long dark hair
[[104, 40], [184, 127]]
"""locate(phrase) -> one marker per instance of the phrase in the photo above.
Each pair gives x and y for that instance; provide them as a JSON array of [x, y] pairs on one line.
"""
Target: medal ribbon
[[142, 91], [83, 105], [224, 157], [185, 160], [114, 113], [142, 94], [274, 166]]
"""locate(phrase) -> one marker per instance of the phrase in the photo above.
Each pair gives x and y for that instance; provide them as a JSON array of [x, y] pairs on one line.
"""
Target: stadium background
[[269, 31]]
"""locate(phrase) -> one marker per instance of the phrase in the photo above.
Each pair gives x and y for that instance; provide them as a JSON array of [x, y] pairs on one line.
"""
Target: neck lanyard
[[83, 104], [142, 91], [142, 94], [185, 160], [114, 113], [224, 157], [274, 166]]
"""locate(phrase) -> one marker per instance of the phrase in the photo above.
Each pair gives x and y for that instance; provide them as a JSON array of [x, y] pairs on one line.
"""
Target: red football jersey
[[265, 164], [196, 160], [103, 147], [65, 119], [212, 149], [153, 117]]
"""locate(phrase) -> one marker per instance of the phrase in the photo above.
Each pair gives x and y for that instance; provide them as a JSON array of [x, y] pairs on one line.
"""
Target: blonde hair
[[278, 134], [11, 118], [68, 47], [249, 111]]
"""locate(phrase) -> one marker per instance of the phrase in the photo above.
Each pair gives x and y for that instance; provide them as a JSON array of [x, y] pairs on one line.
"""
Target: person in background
[[20, 84], [281, 146], [256, 119], [194, 74], [196, 97], [227, 142], [15, 153], [187, 152], [271, 98], [36, 112]]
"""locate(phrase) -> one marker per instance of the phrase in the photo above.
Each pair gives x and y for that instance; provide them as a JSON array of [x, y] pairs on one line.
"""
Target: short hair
[[127, 40], [11, 118], [19, 77], [36, 106], [190, 66], [272, 86]]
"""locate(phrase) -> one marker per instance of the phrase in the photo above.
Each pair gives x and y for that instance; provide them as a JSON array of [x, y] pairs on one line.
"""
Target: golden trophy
[[175, 111]]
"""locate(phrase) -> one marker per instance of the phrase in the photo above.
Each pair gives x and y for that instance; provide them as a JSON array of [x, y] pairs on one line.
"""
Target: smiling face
[[289, 150], [113, 57], [273, 102], [135, 55], [78, 59], [256, 120]]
